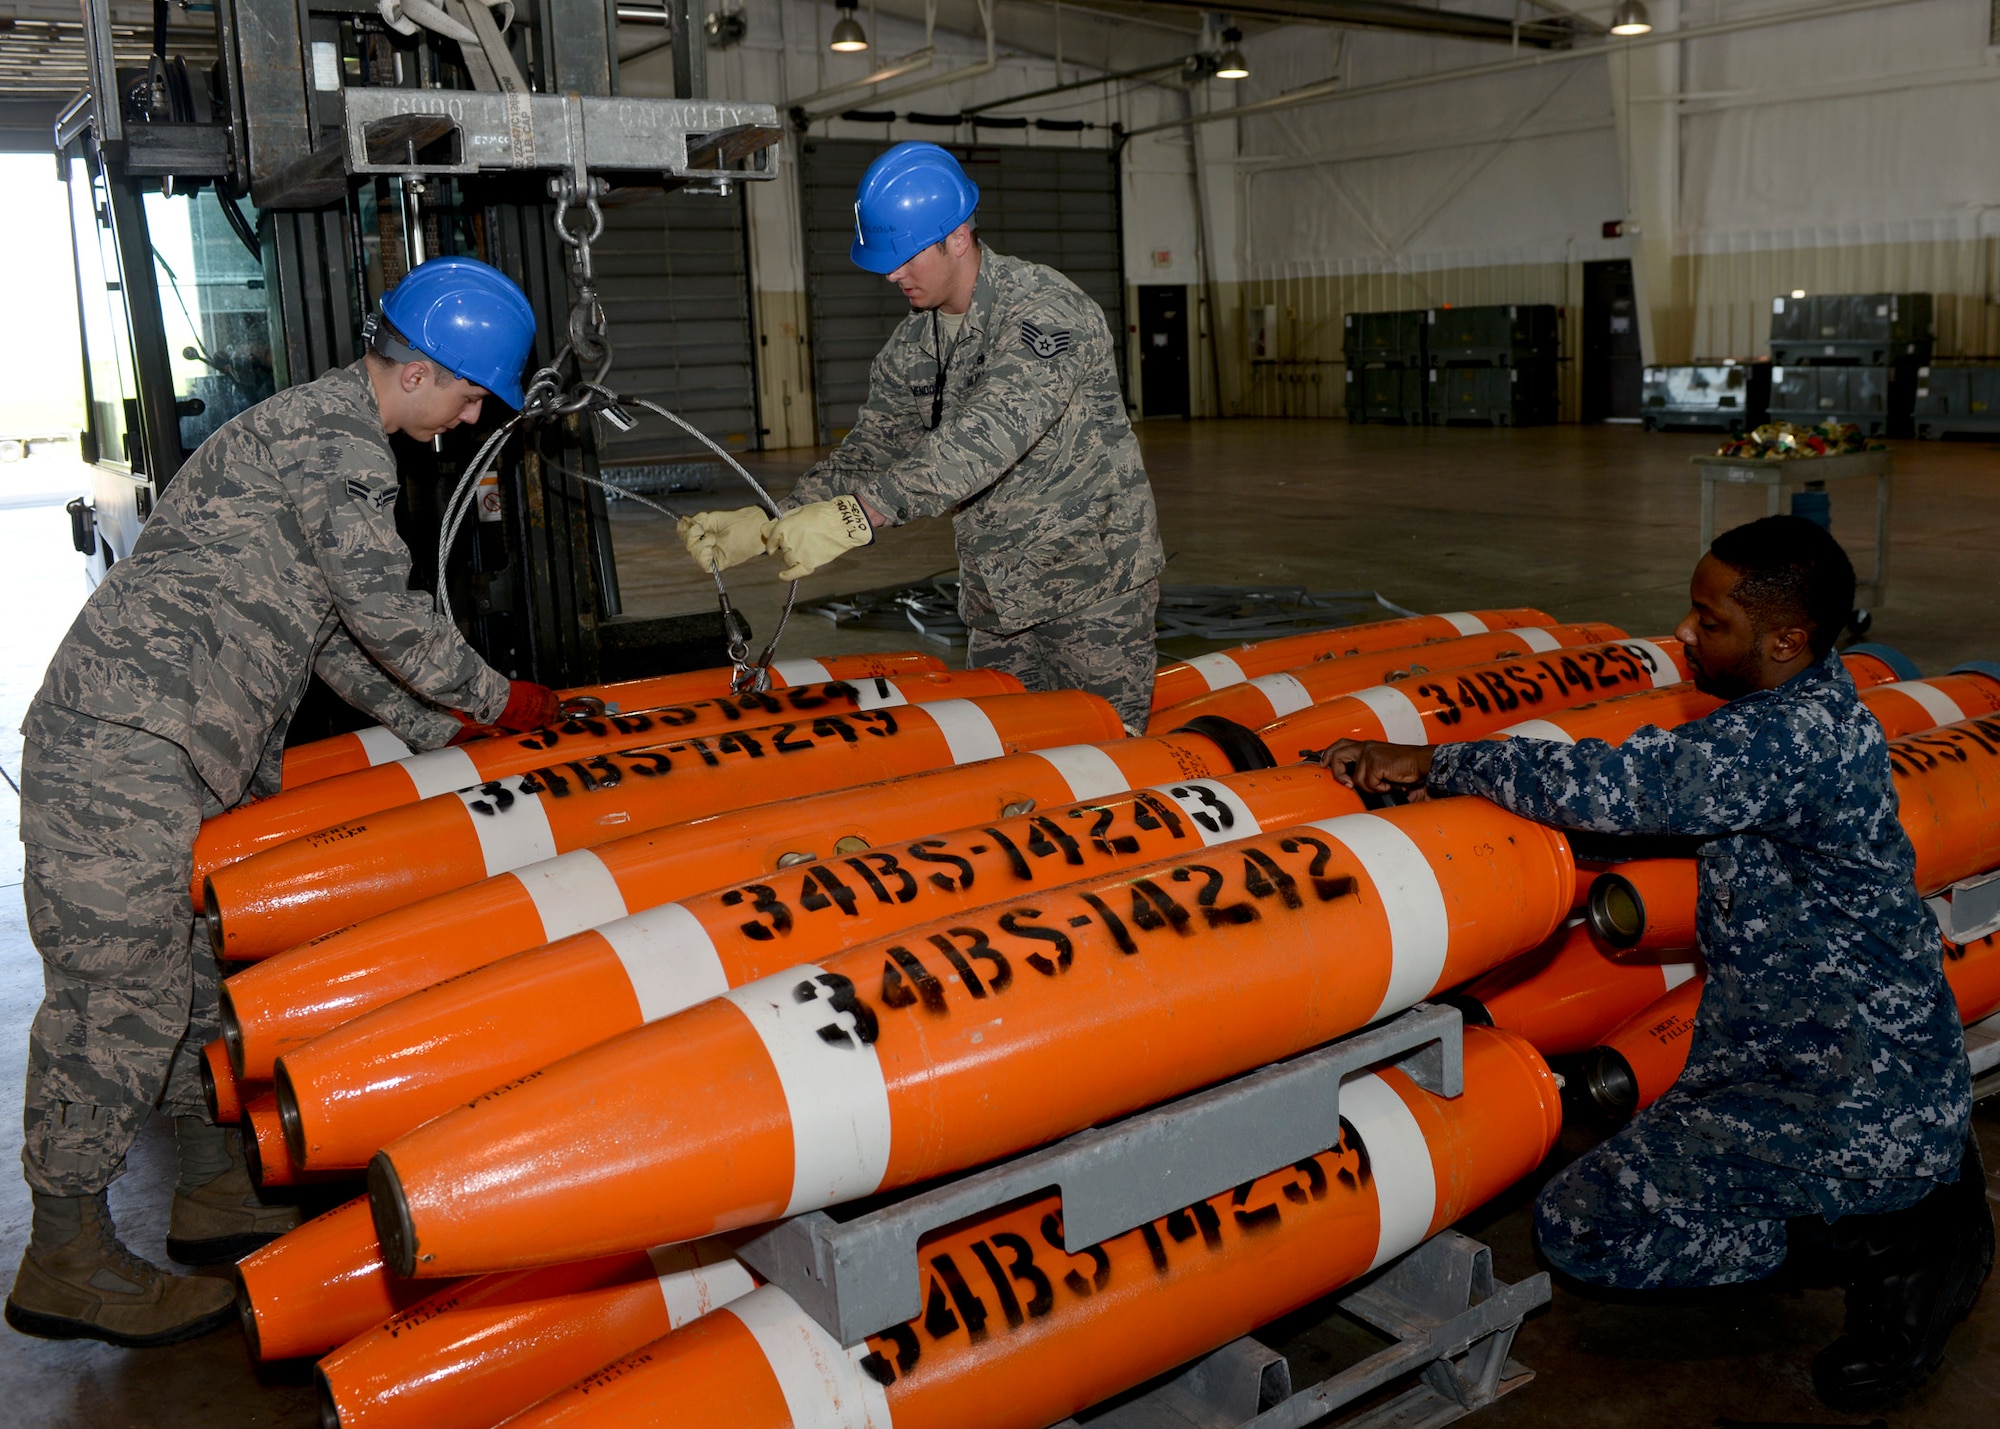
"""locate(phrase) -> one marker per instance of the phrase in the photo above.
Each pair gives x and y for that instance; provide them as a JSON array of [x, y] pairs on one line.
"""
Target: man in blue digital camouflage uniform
[[1826, 1099]]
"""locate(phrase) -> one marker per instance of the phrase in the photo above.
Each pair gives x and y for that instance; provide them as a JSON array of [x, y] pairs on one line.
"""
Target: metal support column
[[688, 25]]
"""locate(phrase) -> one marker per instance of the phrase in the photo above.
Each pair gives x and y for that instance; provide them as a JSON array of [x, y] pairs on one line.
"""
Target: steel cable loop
[[544, 398]]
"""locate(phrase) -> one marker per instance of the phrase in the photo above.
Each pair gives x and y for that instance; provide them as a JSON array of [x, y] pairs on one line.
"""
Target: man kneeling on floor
[[1826, 1101]]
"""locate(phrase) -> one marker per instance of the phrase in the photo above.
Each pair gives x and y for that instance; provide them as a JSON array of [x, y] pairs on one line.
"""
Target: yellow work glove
[[809, 537], [720, 539]]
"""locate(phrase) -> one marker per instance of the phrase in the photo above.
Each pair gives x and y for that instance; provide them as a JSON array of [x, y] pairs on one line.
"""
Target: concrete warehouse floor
[[1589, 523]]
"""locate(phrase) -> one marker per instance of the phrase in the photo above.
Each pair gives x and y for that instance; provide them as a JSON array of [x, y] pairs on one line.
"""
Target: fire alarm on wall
[[1614, 229], [1163, 258]]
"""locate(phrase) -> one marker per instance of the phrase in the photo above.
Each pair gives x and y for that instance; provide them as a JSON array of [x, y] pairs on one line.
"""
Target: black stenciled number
[[1112, 922], [1214, 814], [930, 851], [496, 798], [741, 739], [903, 1340], [939, 1320], [880, 722], [998, 980], [1016, 862], [782, 741], [827, 725], [1153, 907], [1100, 834], [1018, 921], [648, 765], [905, 981], [1020, 1267], [1263, 877], [1047, 838], [1315, 1186], [702, 747], [1201, 1216], [821, 889], [1231, 914], [1328, 889], [1447, 711], [1100, 1274], [875, 866], [768, 903], [1150, 812], [544, 781], [854, 1022]]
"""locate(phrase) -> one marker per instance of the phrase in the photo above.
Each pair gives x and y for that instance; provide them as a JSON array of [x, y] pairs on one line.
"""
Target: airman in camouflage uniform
[[996, 400], [273, 554], [1058, 543], [1826, 1089]]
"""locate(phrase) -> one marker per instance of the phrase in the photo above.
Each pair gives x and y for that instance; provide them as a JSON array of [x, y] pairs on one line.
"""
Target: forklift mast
[[235, 218]]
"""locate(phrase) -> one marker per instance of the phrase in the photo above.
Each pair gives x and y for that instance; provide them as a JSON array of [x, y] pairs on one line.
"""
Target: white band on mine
[[800, 672], [1218, 669], [441, 771], [1465, 623], [1088, 770], [1676, 974], [1398, 1157], [1401, 724], [668, 958], [967, 732], [382, 746], [834, 1088], [1216, 810], [878, 694], [823, 1383], [696, 1278], [1665, 672], [1537, 639], [1286, 694], [1937, 704], [1539, 729], [1419, 927], [512, 826], [572, 892]]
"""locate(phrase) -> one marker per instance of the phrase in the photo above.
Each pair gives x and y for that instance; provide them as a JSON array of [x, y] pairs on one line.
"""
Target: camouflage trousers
[[1106, 649], [109, 816], [1659, 1207]]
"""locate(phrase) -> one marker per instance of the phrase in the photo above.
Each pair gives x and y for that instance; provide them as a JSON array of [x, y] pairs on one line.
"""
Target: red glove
[[470, 729], [529, 706]]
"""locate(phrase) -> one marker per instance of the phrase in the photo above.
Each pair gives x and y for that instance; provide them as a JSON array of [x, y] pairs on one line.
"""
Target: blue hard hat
[[467, 316], [909, 199]]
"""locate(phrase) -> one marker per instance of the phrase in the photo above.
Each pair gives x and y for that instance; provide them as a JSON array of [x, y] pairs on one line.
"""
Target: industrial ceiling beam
[[1392, 15]]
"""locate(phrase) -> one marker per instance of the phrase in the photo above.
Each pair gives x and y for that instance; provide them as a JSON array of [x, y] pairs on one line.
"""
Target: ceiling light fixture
[[1231, 65], [848, 36], [1630, 18]]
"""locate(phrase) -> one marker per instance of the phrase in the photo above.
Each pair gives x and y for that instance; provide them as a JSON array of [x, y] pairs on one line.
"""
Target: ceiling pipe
[[1176, 64], [1391, 15], [1328, 90]]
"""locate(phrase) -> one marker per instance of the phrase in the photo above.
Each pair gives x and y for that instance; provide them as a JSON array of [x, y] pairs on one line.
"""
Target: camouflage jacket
[[273, 553], [1827, 1039], [1033, 456]]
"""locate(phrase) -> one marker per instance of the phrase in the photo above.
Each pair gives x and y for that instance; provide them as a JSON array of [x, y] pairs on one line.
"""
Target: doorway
[[1163, 350], [1612, 360]]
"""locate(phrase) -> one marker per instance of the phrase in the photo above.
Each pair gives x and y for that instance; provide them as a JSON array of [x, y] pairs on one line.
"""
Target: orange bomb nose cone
[[350, 1091], [1031, 1332], [319, 1285], [1645, 905], [971, 1036], [483, 1349], [1566, 995]]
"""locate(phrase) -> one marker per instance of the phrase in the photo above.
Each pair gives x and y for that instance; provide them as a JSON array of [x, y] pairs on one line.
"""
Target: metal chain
[[545, 397]]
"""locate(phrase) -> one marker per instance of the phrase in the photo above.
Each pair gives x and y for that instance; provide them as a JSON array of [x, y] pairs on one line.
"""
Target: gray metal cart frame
[[1451, 1322], [1779, 477]]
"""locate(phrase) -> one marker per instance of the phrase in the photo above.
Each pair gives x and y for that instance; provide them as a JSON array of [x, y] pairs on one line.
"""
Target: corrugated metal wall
[[672, 271], [1053, 206]]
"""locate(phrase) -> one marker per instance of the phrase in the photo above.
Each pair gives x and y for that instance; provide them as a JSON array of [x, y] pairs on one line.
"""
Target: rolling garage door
[[673, 272], [1053, 206]]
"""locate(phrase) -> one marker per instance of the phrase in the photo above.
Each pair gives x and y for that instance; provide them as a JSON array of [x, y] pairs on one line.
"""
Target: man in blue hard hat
[[996, 400], [271, 556]]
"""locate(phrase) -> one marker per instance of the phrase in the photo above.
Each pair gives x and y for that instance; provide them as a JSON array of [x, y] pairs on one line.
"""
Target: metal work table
[[1779, 477]]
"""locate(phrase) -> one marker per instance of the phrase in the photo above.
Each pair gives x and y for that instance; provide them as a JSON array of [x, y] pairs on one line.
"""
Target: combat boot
[[218, 1215], [77, 1282], [1913, 1274]]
